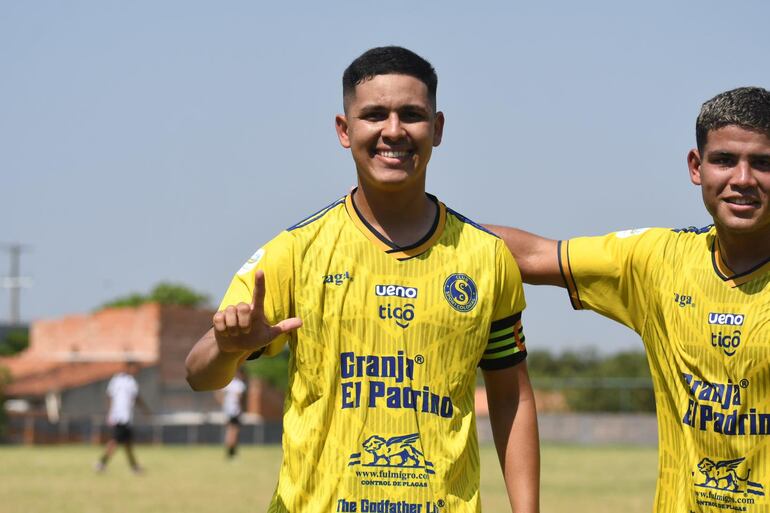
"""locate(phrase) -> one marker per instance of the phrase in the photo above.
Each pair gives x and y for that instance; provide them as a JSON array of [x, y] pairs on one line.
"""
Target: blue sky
[[147, 141]]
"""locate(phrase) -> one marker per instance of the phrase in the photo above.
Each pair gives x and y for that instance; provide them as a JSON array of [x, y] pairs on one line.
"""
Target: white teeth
[[741, 201], [394, 154]]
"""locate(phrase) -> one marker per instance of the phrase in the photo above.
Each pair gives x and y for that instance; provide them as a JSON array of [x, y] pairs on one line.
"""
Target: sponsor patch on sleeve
[[624, 234], [252, 262]]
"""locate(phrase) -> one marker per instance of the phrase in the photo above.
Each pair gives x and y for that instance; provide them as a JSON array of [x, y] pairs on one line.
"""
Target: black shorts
[[122, 433], [235, 420]]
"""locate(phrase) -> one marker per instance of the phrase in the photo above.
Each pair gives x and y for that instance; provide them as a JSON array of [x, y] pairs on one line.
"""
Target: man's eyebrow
[[414, 106], [408, 106], [372, 107]]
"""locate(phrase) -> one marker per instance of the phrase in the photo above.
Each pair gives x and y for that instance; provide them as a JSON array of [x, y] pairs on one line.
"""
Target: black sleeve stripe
[[490, 352], [505, 323], [503, 363], [502, 337]]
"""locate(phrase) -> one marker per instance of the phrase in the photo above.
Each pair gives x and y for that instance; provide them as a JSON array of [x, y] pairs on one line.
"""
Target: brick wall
[[180, 329], [105, 335]]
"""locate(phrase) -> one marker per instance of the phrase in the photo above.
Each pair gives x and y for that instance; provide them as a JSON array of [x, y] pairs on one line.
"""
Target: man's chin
[[742, 226], [394, 180]]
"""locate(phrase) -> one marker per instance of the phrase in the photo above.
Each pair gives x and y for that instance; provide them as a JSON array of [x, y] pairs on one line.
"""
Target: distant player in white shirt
[[232, 397], [123, 393]]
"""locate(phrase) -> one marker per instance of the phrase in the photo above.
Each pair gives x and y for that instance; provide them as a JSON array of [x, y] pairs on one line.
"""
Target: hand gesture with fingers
[[243, 327]]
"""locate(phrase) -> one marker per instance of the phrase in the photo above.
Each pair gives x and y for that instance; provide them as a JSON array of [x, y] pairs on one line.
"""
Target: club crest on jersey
[[460, 292], [724, 476]]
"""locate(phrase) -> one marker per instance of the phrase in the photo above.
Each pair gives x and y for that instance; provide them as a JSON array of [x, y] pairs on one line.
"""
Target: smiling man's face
[[390, 126], [734, 175]]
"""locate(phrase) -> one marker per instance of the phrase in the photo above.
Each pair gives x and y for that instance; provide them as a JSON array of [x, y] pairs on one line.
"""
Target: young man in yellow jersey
[[388, 301], [700, 299]]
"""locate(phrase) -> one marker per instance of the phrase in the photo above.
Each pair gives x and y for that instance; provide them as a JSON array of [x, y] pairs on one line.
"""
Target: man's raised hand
[[243, 327]]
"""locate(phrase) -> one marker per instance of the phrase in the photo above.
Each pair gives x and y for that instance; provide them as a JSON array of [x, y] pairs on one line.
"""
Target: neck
[[742, 252], [402, 217]]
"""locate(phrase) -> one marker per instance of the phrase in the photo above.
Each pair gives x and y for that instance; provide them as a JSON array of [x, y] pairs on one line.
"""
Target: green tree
[[590, 382], [164, 293], [15, 341]]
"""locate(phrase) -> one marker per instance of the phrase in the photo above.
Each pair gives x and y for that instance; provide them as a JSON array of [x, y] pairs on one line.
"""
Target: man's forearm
[[514, 427], [536, 256], [209, 368], [521, 461]]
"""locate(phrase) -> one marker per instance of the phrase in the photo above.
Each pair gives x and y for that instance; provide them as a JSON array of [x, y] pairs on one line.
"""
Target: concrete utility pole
[[14, 282]]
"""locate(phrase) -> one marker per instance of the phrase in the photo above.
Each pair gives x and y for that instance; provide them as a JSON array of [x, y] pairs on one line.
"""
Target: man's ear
[[438, 128], [693, 164], [341, 125]]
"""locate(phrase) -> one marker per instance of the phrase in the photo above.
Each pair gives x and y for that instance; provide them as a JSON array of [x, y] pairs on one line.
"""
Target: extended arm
[[537, 257], [514, 428], [238, 331]]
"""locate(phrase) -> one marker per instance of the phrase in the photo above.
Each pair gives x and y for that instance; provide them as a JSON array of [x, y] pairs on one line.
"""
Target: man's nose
[[393, 128], [743, 175]]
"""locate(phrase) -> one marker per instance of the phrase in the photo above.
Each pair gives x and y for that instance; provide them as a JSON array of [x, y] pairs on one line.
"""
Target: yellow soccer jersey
[[379, 415], [707, 335]]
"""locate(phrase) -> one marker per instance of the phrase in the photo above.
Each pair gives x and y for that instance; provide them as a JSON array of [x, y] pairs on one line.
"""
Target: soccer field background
[[198, 479]]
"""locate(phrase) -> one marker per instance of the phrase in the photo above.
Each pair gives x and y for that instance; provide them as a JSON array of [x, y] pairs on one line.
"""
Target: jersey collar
[[727, 275], [398, 252]]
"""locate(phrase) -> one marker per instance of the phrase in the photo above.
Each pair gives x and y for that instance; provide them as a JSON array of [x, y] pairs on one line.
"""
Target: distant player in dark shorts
[[231, 398], [123, 393], [122, 433]]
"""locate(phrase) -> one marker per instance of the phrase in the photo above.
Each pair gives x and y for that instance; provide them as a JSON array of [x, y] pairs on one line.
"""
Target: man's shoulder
[[657, 236], [672, 240], [295, 237], [324, 214], [461, 223]]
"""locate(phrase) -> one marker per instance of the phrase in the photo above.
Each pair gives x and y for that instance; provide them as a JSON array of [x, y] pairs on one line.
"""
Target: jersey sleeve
[[276, 259], [612, 274], [505, 345]]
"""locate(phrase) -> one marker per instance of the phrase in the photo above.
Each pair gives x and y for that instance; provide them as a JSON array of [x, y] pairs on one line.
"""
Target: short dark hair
[[746, 107], [386, 60]]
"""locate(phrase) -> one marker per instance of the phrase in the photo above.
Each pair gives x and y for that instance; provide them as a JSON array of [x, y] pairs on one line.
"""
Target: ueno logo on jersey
[[726, 319], [395, 291]]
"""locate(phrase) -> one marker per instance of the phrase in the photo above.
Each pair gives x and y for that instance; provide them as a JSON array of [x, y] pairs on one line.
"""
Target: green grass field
[[198, 479]]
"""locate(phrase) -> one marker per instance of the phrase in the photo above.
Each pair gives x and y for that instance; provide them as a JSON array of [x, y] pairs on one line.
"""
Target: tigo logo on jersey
[[460, 291], [403, 315], [729, 340]]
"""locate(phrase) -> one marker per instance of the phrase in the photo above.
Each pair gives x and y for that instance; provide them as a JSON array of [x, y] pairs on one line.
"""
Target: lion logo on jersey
[[395, 447], [723, 475], [396, 451]]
